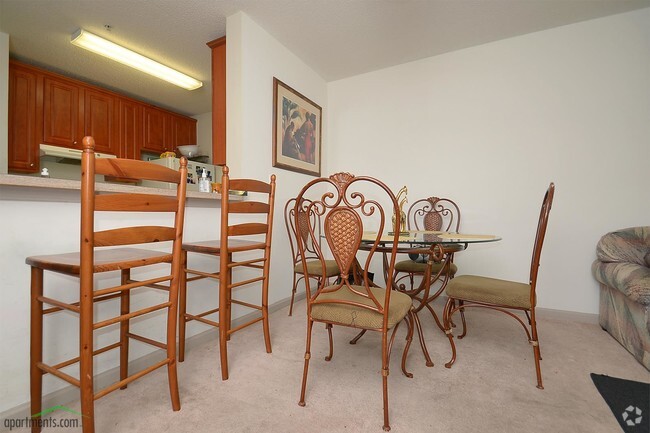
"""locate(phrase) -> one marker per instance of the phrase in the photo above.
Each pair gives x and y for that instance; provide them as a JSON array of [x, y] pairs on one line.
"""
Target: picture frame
[[297, 129]]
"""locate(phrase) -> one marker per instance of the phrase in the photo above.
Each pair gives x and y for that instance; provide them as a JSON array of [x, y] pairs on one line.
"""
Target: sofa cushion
[[631, 245]]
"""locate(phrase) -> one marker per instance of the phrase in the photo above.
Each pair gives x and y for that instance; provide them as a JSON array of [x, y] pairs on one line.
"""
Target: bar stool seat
[[104, 260]]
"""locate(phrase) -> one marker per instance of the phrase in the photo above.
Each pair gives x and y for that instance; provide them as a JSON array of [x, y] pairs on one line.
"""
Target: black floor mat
[[628, 400]]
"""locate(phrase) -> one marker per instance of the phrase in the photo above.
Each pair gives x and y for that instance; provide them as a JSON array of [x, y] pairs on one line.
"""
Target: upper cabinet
[[165, 131], [157, 130], [23, 143], [52, 109], [101, 120], [218, 47], [183, 130], [62, 125], [130, 123]]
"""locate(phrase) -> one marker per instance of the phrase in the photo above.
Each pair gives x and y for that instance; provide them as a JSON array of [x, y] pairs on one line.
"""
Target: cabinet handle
[[74, 143], [31, 165]]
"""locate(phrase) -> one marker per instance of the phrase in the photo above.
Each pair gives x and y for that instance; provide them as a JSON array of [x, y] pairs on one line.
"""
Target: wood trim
[[218, 47]]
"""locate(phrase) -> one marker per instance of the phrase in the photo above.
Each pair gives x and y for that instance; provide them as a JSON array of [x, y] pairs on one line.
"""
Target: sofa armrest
[[629, 278], [631, 245]]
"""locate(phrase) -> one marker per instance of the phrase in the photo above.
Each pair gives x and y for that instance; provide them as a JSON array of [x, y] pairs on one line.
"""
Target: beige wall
[[491, 126], [253, 59]]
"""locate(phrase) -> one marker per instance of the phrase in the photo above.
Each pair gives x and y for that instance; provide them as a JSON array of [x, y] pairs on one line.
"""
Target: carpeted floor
[[491, 388]]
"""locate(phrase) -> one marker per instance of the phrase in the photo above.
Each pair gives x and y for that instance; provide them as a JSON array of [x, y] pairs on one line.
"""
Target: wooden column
[[218, 47]]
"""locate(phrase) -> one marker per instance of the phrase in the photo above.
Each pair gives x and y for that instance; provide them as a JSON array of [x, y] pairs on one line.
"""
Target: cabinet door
[[100, 120], [23, 144], [61, 122], [184, 131], [130, 126], [157, 130]]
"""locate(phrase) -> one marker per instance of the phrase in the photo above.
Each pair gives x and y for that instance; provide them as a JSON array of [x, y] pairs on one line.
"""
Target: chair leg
[[125, 307], [86, 362], [536, 350], [418, 329], [462, 318], [224, 319], [172, 314], [310, 325], [446, 319], [359, 335], [182, 307], [265, 309], [36, 347], [409, 338], [384, 377], [328, 326], [293, 294]]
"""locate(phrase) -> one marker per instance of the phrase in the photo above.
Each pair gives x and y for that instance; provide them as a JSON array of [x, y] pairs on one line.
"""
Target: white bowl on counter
[[189, 150]]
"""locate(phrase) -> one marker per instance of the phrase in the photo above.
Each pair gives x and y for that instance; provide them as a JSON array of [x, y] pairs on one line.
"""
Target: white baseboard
[[71, 393]]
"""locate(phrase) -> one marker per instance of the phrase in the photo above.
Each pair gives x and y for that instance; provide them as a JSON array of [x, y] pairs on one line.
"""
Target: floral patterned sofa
[[622, 268]]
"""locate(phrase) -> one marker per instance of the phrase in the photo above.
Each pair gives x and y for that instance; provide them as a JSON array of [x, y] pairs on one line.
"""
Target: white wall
[[253, 59], [491, 126], [28, 232]]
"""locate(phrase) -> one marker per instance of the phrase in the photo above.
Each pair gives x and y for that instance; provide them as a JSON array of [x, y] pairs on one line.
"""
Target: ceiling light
[[94, 43]]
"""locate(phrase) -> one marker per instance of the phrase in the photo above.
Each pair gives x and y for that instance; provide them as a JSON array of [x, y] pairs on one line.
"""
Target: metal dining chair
[[433, 214], [349, 206], [300, 228], [97, 256], [473, 291]]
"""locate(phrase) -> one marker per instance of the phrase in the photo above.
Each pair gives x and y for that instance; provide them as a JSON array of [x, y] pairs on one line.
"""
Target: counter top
[[17, 187]]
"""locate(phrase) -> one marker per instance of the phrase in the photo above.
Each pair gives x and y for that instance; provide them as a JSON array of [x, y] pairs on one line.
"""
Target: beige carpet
[[491, 388]]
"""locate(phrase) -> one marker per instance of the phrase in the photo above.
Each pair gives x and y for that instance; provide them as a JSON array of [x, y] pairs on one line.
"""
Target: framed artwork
[[297, 125]]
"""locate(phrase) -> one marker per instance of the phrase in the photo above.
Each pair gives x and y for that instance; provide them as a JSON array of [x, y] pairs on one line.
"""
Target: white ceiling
[[337, 38]]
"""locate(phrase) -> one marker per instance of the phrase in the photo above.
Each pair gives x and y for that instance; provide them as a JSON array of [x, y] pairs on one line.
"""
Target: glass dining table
[[434, 248]]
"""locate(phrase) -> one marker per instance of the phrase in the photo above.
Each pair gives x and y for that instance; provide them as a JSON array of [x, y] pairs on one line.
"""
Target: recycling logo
[[629, 416]]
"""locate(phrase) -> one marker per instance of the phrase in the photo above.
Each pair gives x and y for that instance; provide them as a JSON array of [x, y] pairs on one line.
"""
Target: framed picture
[[296, 130]]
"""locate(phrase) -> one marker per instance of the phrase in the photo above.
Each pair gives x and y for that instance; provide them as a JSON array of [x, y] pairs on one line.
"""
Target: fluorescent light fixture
[[101, 46]]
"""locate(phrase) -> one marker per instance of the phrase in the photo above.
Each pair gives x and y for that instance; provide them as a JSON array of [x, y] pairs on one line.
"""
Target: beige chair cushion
[[349, 315], [314, 268], [418, 268], [490, 291]]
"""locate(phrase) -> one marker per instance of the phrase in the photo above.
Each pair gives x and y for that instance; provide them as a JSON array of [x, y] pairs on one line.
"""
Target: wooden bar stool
[[92, 259], [250, 239]]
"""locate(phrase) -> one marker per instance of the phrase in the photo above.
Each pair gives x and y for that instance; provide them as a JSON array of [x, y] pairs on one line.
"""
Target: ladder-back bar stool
[[249, 237], [92, 259]]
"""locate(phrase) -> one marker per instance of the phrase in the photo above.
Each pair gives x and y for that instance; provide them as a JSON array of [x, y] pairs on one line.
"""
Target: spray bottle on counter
[[204, 182]]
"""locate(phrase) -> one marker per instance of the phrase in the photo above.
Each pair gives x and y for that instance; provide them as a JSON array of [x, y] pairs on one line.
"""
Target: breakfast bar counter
[[31, 188]]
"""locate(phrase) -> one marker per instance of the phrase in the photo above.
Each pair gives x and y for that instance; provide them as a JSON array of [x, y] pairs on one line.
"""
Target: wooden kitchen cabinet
[[23, 154], [101, 120], [218, 47], [164, 131], [184, 131], [62, 124], [130, 128], [52, 109], [157, 130]]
